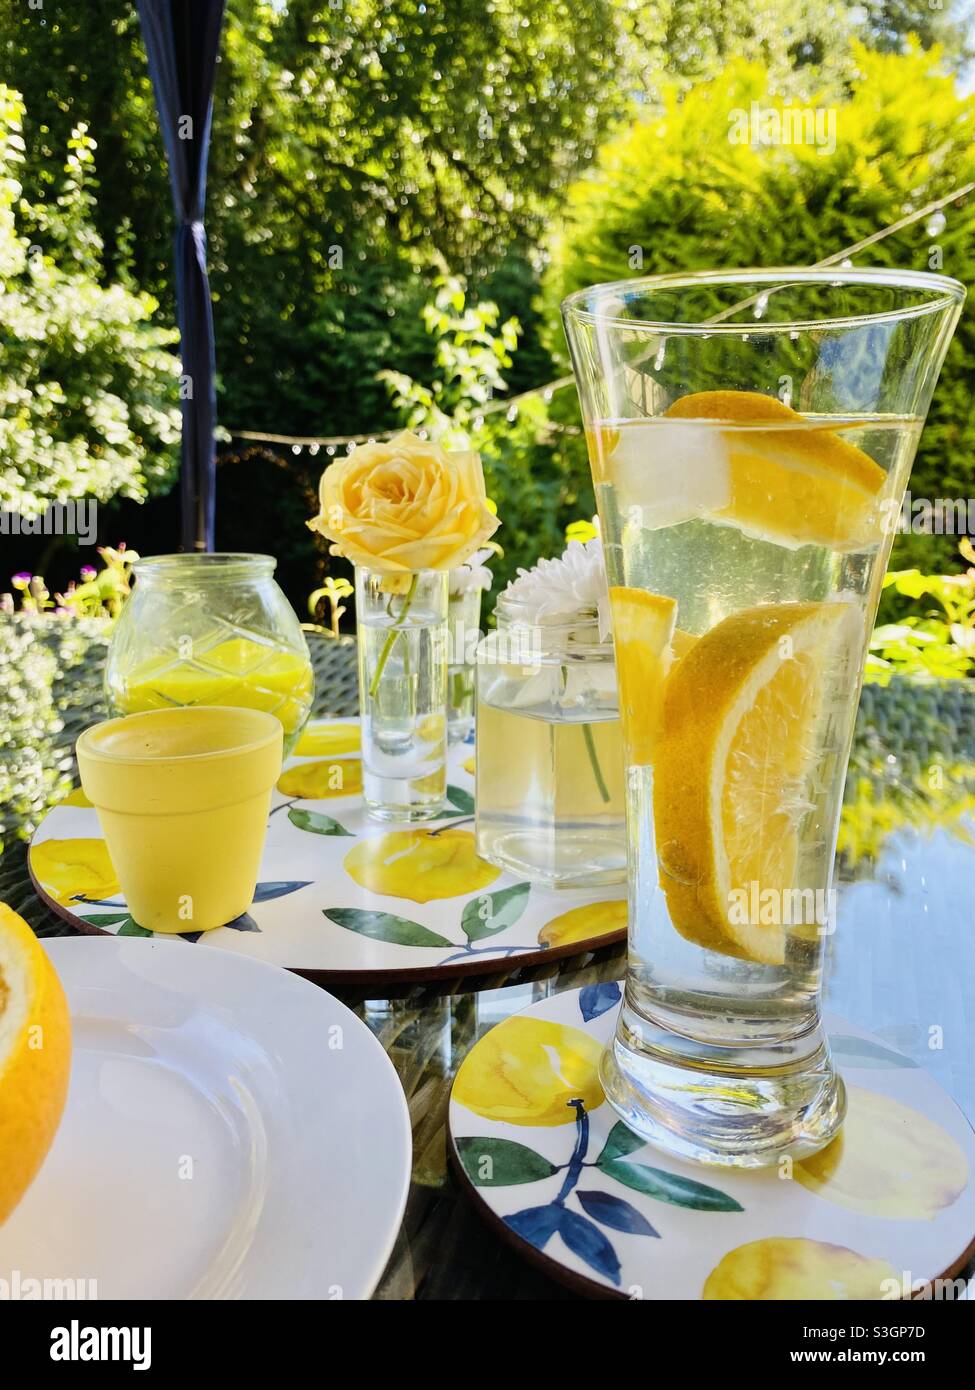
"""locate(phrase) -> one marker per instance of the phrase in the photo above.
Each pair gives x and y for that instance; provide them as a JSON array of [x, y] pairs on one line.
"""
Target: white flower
[[473, 574], [564, 586]]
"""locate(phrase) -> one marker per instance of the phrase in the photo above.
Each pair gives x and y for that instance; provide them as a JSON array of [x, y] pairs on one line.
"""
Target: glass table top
[[900, 964]]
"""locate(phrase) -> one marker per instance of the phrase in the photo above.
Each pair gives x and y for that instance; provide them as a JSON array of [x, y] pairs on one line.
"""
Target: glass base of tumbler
[[733, 1107], [402, 813]]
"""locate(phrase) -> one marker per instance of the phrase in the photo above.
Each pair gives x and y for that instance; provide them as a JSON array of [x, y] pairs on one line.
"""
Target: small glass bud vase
[[549, 762], [463, 617], [402, 641]]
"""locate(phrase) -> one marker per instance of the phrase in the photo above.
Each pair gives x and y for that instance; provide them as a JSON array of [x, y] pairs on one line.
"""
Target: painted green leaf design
[[316, 822], [461, 799], [620, 1141], [107, 919], [860, 1052], [491, 913], [384, 926], [130, 928], [668, 1187], [506, 1162]]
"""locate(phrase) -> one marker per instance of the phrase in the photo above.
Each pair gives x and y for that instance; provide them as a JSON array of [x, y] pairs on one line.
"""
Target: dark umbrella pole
[[182, 38]]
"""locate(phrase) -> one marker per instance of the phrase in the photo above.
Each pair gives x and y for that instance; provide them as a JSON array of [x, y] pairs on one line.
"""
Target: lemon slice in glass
[[793, 486], [643, 635], [737, 741]]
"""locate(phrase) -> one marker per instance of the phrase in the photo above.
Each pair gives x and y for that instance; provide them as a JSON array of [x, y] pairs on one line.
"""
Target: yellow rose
[[405, 505]]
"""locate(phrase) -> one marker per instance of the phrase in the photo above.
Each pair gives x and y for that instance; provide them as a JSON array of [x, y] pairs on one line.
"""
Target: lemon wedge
[[643, 633], [35, 1057], [791, 486], [736, 743]]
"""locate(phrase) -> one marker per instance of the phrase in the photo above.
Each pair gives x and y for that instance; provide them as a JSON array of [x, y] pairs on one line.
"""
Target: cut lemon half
[[791, 486], [35, 1057], [736, 746], [643, 634]]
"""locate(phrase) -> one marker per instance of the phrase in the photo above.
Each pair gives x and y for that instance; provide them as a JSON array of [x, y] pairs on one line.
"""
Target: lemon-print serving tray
[[883, 1212], [343, 898]]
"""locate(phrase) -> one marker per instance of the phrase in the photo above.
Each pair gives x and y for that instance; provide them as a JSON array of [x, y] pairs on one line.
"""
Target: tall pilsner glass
[[750, 435]]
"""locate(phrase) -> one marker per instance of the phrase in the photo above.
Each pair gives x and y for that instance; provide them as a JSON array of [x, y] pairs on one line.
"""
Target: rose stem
[[594, 761], [392, 636]]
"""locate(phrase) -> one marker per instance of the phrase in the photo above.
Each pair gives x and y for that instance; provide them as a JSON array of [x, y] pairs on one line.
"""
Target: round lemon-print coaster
[[883, 1211], [343, 898]]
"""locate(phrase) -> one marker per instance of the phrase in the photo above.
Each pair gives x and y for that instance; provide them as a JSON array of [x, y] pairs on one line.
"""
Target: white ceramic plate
[[231, 1131]]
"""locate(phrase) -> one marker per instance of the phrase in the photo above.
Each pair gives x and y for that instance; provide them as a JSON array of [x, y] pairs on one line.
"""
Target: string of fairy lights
[[332, 443]]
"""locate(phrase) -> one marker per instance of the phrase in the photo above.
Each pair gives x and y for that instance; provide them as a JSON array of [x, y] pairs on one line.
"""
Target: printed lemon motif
[[69, 870], [433, 784], [319, 780], [432, 728], [75, 798], [468, 766], [737, 741], [420, 865], [35, 1057], [527, 1070], [888, 1160], [329, 741], [581, 923], [792, 486], [780, 1269]]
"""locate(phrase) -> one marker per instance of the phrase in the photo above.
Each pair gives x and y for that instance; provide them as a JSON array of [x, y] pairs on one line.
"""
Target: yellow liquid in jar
[[238, 673]]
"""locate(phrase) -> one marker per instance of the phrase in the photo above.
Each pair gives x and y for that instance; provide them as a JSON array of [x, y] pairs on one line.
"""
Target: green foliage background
[[362, 150], [87, 387]]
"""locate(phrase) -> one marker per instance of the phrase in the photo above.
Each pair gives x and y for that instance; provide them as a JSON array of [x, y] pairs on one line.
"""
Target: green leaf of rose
[[668, 1187], [384, 926], [316, 822], [501, 1162], [490, 913]]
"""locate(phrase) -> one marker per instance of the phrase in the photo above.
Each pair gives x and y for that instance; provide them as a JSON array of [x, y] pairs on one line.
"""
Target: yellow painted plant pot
[[183, 797]]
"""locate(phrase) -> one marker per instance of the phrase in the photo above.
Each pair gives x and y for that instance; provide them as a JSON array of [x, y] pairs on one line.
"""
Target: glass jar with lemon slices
[[750, 436], [210, 630]]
